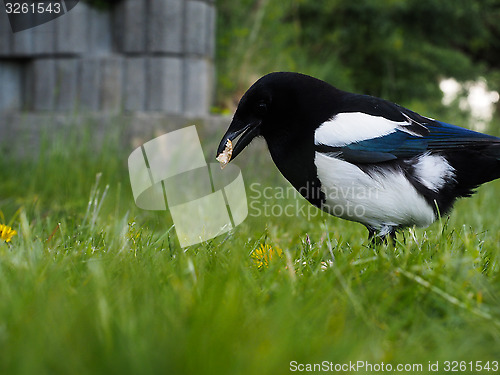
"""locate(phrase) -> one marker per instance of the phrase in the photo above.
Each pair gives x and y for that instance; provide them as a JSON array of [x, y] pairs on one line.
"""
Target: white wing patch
[[352, 127], [433, 171]]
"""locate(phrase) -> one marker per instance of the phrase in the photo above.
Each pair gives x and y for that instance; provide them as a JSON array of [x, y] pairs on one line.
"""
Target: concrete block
[[10, 89], [89, 84], [66, 84], [111, 83], [71, 31], [210, 34], [43, 73], [134, 84], [117, 27], [5, 34], [198, 86], [196, 27], [132, 26], [164, 84], [44, 38], [22, 43], [165, 26], [100, 40]]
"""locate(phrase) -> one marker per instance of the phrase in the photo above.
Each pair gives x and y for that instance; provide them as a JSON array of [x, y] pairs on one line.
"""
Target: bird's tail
[[493, 151], [475, 167]]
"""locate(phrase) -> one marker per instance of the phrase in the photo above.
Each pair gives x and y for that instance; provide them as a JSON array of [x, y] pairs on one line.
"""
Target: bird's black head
[[277, 104]]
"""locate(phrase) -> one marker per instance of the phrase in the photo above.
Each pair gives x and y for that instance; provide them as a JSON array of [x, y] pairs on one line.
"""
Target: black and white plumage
[[359, 157]]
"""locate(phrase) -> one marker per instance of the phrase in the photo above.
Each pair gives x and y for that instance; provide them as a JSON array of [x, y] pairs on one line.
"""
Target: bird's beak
[[245, 131]]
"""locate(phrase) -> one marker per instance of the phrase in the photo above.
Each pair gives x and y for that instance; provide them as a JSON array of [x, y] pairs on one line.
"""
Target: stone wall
[[141, 55]]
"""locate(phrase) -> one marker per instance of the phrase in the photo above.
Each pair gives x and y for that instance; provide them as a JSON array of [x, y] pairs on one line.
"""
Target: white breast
[[381, 200]]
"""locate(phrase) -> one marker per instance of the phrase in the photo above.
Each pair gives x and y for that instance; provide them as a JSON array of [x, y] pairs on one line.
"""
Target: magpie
[[359, 157]]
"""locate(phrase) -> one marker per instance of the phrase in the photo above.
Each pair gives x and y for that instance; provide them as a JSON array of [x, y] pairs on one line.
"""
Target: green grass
[[93, 285]]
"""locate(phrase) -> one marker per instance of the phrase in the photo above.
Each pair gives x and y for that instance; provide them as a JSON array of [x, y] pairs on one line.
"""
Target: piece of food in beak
[[225, 156]]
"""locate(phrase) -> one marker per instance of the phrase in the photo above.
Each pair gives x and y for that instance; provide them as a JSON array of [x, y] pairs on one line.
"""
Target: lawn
[[91, 284]]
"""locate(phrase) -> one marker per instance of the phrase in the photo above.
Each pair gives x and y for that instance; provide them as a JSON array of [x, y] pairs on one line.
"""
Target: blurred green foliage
[[396, 49]]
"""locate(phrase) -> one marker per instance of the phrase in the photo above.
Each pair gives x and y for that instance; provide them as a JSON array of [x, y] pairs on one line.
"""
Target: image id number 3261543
[[473, 366], [33, 8]]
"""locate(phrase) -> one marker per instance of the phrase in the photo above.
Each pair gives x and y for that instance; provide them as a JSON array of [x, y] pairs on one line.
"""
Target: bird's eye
[[261, 108]]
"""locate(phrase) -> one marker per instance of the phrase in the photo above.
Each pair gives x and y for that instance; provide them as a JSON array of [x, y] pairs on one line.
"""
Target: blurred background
[[195, 58], [107, 59], [406, 51]]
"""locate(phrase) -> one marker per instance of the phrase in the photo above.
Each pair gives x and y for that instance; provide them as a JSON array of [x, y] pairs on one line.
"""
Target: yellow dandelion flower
[[265, 254], [6, 233]]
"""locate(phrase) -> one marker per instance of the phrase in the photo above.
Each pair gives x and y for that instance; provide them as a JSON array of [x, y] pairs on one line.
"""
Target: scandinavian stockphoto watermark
[[26, 14], [276, 201], [204, 200]]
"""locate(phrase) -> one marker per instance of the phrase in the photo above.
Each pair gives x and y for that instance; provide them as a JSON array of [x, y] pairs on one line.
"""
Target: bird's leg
[[392, 237], [375, 240]]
